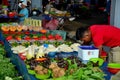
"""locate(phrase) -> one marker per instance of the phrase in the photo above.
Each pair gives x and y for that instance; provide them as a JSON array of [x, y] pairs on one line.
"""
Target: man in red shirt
[[102, 35]]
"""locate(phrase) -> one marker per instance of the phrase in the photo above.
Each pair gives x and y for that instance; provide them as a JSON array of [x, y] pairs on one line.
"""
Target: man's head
[[23, 4], [83, 34]]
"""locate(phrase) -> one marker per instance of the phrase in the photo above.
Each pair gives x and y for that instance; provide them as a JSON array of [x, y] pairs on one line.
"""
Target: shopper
[[48, 7], [102, 35], [23, 13]]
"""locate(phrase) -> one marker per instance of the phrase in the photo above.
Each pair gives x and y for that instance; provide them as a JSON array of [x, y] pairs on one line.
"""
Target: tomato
[[27, 38], [27, 32], [6, 32], [9, 38], [58, 37], [43, 38], [51, 37], [36, 38], [23, 57]]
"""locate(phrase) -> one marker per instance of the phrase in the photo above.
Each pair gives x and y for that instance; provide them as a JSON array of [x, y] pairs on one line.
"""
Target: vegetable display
[[70, 68]]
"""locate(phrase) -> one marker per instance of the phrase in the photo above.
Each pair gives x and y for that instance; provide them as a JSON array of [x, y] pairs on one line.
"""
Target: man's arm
[[100, 50], [20, 15], [102, 53]]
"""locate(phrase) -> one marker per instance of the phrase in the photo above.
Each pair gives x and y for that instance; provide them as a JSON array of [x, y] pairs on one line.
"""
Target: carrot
[[41, 59], [43, 31]]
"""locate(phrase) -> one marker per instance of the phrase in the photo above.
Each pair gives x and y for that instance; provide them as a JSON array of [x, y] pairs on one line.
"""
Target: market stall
[[39, 54], [39, 48]]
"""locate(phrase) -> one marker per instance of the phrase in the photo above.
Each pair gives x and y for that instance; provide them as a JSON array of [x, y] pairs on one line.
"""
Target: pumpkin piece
[[13, 28], [25, 27], [19, 28], [5, 28]]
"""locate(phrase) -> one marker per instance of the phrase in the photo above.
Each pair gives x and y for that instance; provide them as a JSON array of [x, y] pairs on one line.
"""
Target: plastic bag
[[52, 24]]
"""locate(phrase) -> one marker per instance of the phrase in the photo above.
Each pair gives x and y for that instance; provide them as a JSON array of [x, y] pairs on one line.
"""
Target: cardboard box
[[87, 52]]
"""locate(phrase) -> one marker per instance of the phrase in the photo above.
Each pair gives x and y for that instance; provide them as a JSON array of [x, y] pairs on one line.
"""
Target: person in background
[[24, 13], [48, 7], [102, 35]]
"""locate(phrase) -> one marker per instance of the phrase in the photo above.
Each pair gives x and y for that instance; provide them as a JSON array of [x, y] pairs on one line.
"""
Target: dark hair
[[80, 32]]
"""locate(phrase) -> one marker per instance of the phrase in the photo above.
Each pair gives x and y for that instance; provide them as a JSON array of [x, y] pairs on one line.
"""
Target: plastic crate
[[87, 52]]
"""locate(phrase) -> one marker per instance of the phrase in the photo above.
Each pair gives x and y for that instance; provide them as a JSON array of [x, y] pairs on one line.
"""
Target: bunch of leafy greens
[[7, 69]]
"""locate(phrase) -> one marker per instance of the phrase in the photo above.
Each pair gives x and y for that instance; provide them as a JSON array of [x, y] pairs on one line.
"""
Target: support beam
[[115, 12]]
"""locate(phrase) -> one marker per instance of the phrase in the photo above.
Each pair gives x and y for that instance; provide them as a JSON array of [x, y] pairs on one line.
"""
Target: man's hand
[[20, 15]]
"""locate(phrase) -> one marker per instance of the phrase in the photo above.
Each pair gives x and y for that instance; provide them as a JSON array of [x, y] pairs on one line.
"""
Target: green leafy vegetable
[[7, 69]]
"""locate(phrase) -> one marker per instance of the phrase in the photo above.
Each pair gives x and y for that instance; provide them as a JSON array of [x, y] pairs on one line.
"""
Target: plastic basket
[[87, 52]]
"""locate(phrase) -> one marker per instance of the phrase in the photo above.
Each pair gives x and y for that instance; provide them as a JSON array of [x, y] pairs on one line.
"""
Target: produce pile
[[36, 49], [27, 35], [33, 22], [42, 66], [32, 36], [70, 68], [16, 27], [7, 69]]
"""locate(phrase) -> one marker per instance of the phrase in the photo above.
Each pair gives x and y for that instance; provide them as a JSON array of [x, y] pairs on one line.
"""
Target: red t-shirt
[[105, 35]]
